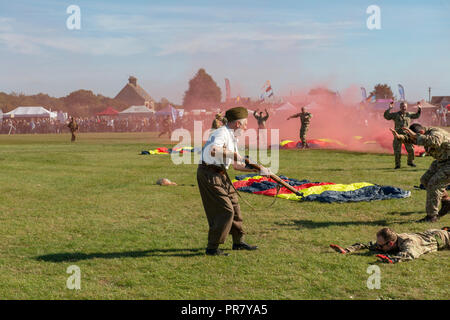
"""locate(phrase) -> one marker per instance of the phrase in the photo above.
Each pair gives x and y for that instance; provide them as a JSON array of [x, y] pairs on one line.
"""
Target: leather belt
[[212, 167]]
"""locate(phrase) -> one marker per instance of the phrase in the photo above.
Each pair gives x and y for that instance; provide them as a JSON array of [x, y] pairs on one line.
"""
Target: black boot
[[215, 252], [412, 164], [445, 208], [243, 246], [429, 219]]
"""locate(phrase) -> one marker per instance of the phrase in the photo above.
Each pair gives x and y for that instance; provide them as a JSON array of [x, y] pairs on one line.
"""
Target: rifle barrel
[[276, 178]]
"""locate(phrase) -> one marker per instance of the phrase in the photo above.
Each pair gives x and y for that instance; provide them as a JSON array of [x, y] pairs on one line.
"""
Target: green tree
[[203, 92], [382, 91]]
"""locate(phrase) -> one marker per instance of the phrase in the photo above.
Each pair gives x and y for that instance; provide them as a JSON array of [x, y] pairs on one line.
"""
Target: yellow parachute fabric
[[329, 187]]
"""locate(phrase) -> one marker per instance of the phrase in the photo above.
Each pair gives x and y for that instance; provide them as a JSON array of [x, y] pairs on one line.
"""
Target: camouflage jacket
[[167, 123], [401, 120], [305, 117], [73, 125], [411, 245], [436, 142], [218, 122], [261, 120]]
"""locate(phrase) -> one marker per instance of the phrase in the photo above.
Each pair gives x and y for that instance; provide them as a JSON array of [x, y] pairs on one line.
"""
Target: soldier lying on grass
[[404, 246]]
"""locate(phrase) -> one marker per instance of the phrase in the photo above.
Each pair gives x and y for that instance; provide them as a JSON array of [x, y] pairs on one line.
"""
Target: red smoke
[[342, 118]]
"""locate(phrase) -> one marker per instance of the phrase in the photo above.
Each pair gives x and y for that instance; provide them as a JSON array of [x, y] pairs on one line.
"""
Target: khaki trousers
[[222, 209]]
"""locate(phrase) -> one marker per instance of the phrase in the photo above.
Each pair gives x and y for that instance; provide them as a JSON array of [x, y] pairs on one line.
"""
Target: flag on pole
[[364, 94], [401, 91]]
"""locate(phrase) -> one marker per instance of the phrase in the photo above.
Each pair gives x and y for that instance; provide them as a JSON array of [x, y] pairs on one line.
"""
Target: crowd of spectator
[[155, 124], [96, 124]]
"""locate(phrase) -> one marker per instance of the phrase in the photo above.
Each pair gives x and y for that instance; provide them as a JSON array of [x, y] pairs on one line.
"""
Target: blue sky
[[294, 44]]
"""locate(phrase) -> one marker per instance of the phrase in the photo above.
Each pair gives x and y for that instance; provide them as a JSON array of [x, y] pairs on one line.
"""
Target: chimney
[[132, 80]]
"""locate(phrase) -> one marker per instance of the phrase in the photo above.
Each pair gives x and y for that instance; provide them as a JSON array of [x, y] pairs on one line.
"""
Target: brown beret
[[236, 113]]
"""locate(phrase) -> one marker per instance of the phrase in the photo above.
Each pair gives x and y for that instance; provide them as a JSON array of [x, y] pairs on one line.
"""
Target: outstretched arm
[[387, 114], [371, 246], [417, 114]]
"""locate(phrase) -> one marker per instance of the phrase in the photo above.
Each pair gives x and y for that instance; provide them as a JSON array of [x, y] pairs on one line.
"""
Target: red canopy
[[448, 107], [108, 112]]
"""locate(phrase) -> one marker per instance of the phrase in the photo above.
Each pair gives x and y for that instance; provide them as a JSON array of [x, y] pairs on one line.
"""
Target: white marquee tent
[[136, 111], [30, 112]]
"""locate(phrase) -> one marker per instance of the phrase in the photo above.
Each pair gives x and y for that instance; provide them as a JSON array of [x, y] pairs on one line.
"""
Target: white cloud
[[18, 43], [6, 24], [112, 46], [241, 41]]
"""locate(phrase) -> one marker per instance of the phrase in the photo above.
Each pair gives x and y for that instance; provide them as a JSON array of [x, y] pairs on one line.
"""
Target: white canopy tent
[[30, 112], [136, 111]]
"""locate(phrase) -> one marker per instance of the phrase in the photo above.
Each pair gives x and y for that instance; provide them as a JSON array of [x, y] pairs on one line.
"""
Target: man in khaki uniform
[[404, 246], [219, 197], [402, 119], [73, 126], [437, 144], [305, 119]]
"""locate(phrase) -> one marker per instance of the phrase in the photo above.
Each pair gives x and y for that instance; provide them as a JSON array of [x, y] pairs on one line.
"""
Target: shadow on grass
[[405, 213], [309, 224], [77, 256]]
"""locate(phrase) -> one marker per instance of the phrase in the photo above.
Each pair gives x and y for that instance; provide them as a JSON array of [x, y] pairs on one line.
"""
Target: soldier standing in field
[[305, 119], [73, 126], [261, 121], [404, 246], [166, 126], [436, 179], [261, 118], [219, 197], [402, 119]]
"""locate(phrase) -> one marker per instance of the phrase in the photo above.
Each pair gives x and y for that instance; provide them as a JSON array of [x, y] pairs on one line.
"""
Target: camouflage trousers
[[303, 131], [436, 180], [397, 144], [442, 238]]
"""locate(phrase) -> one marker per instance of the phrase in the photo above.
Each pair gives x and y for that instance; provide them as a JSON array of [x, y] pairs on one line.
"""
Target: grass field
[[95, 204]]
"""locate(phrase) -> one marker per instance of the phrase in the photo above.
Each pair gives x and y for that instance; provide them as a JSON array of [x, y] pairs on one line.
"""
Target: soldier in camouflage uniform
[[402, 119], [73, 126], [166, 126], [218, 121], [402, 247], [261, 119], [305, 118], [436, 179]]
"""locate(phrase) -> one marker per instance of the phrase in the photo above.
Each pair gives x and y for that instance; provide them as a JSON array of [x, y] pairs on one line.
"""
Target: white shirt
[[220, 137]]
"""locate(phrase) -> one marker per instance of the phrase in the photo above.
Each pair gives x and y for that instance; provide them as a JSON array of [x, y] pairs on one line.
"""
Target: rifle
[[254, 165], [274, 177]]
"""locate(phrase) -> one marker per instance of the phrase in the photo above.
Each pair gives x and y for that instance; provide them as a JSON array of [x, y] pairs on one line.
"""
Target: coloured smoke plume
[[341, 121]]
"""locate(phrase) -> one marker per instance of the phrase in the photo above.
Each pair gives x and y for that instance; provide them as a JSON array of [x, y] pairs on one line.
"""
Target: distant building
[[133, 94], [440, 100]]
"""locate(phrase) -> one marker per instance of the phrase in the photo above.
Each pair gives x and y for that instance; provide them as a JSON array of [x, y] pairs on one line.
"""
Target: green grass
[[95, 204]]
